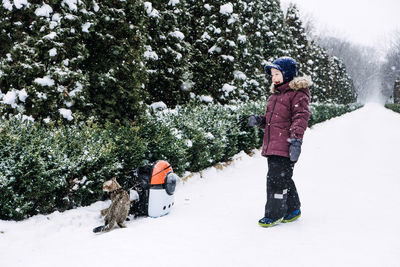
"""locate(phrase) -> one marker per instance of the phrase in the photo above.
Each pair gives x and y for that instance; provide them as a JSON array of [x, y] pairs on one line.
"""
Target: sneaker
[[290, 217], [266, 222]]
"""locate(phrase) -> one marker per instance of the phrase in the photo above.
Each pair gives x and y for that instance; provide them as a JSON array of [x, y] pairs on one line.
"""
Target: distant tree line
[[372, 73], [390, 71], [108, 59]]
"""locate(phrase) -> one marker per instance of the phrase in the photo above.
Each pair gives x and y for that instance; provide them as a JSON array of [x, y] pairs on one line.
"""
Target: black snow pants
[[282, 197]]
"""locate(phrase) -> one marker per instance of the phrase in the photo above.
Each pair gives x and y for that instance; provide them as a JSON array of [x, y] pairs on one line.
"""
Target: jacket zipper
[[269, 125]]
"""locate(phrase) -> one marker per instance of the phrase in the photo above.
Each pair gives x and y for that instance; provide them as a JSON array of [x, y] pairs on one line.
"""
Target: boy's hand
[[254, 120], [295, 149]]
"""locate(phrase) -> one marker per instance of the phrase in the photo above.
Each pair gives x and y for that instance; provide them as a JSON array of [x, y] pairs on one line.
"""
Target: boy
[[284, 123]]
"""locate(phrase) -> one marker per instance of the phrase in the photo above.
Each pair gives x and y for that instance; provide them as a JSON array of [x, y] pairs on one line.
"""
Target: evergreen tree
[[214, 34], [301, 49], [251, 45], [396, 91], [390, 70], [277, 38], [60, 59], [331, 82], [343, 91], [116, 60], [70, 58], [168, 52], [41, 70], [319, 73], [267, 38], [199, 40]]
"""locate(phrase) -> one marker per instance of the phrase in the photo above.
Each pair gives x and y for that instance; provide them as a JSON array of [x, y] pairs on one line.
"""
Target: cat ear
[[114, 179]]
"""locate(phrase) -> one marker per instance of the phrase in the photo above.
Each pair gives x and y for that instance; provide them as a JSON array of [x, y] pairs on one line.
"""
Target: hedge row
[[43, 169], [394, 107], [323, 112]]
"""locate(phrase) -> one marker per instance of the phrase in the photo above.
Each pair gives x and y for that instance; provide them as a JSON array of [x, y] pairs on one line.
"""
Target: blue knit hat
[[286, 65]]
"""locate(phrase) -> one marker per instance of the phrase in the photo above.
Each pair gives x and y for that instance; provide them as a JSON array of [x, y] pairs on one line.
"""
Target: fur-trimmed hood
[[296, 84]]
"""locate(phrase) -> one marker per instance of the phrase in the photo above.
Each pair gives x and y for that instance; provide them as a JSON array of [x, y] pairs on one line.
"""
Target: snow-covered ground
[[348, 178]]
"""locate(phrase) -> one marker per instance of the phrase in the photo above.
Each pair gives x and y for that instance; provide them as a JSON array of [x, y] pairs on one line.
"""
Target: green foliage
[[167, 53], [390, 71], [108, 58], [162, 143], [75, 59], [323, 112], [394, 107], [214, 34], [396, 91], [42, 69], [116, 61], [209, 133], [301, 43], [43, 169], [47, 169]]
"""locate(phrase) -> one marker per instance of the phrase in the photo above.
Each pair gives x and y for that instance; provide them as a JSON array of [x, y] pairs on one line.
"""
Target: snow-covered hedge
[[47, 169], [322, 112], [394, 107], [43, 169], [211, 133]]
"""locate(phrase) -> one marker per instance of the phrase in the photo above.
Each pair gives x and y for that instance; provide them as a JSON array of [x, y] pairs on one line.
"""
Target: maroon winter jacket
[[286, 116]]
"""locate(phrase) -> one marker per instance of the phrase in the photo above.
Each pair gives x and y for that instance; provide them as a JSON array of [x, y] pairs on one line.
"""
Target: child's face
[[277, 76]]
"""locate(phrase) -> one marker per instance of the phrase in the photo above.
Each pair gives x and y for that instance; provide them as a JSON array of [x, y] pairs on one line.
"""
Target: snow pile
[[177, 34], [17, 3], [22, 95], [151, 12], [72, 4], [10, 98], [214, 48], [239, 75], [50, 36], [229, 58], [7, 5], [86, 26], [226, 9], [227, 88], [41, 95], [206, 99], [53, 52], [78, 88], [45, 81], [173, 2], [242, 38], [20, 3], [66, 113], [44, 11], [150, 54], [158, 106]]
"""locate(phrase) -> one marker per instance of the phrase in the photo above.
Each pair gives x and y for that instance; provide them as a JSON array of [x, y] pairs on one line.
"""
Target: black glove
[[295, 149], [254, 120]]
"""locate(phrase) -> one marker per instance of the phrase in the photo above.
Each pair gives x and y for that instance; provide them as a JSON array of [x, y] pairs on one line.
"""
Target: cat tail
[[99, 229]]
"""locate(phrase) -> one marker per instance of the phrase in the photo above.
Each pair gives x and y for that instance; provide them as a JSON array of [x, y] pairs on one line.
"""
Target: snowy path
[[348, 179]]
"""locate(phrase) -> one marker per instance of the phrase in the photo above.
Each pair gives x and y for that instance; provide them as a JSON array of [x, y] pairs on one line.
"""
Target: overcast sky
[[367, 22]]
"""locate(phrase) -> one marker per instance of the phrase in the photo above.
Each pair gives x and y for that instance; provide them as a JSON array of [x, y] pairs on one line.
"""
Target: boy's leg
[[293, 201], [280, 187]]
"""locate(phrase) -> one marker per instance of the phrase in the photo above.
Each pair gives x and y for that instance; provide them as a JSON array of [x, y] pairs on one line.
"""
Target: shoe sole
[[270, 224], [291, 220]]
